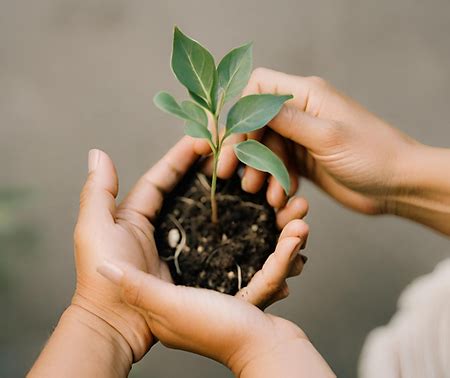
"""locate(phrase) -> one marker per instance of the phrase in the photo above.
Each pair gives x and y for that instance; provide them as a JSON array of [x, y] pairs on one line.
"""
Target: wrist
[[101, 333], [422, 190], [292, 357], [128, 322], [83, 345], [281, 349]]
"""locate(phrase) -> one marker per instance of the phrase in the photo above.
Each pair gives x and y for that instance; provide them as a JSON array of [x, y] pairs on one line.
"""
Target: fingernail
[[244, 184], [304, 258], [111, 272], [93, 158]]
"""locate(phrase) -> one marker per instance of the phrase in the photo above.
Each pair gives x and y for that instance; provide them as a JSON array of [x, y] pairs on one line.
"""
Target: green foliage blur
[[17, 236]]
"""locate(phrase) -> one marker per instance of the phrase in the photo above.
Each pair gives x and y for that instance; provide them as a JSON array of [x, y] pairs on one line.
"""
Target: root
[[211, 255], [204, 182], [239, 276], [191, 202], [236, 198], [180, 245]]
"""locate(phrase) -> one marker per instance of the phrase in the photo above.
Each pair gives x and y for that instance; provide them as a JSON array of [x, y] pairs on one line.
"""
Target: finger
[[228, 161], [253, 180], [267, 281], [147, 196], [97, 199], [296, 228], [177, 313], [295, 209], [297, 265], [202, 147], [302, 128], [299, 229], [264, 80], [276, 196], [281, 294], [292, 122], [139, 288]]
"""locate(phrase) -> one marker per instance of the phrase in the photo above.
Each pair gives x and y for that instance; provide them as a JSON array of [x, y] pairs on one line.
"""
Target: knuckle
[[258, 73], [317, 81], [271, 283], [301, 226], [289, 116], [87, 188], [284, 291], [133, 292], [298, 266], [303, 206]]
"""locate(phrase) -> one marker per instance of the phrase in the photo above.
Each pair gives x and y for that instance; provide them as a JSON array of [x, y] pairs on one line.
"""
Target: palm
[[124, 233], [231, 323], [139, 243], [337, 172]]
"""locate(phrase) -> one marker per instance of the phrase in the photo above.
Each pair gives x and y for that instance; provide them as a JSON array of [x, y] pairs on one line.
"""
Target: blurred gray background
[[77, 74]]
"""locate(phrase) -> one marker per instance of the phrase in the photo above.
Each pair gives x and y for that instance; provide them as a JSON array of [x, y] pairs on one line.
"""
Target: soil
[[223, 256]]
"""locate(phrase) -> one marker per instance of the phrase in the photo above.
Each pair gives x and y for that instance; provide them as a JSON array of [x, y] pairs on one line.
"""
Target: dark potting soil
[[223, 256]]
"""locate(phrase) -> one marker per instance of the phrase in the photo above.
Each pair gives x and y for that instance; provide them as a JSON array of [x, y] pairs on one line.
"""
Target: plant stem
[[216, 154], [214, 212]]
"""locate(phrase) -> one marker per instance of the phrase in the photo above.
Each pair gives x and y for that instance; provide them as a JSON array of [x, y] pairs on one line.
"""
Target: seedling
[[210, 87]]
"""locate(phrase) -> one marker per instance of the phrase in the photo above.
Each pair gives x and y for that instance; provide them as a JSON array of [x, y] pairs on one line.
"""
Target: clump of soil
[[223, 256]]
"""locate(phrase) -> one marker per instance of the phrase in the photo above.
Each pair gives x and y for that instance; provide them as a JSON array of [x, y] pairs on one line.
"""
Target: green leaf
[[198, 100], [168, 104], [253, 112], [195, 130], [194, 113], [234, 70], [197, 121], [258, 156], [193, 65]]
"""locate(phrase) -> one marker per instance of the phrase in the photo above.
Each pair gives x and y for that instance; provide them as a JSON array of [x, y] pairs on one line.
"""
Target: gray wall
[[79, 74]]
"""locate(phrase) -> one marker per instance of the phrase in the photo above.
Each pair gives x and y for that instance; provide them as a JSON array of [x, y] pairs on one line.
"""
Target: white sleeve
[[416, 342]]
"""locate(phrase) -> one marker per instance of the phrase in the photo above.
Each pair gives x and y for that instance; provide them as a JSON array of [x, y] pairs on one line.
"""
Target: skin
[[106, 329], [322, 135], [355, 157]]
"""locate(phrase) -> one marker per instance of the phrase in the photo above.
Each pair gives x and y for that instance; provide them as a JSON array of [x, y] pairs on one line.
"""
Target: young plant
[[210, 87]]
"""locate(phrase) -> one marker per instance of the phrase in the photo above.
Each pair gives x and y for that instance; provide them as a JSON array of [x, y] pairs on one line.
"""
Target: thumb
[[300, 127], [141, 289], [97, 199]]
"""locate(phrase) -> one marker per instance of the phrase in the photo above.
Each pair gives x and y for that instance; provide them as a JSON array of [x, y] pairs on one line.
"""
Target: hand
[[224, 328], [100, 334], [352, 155], [124, 233]]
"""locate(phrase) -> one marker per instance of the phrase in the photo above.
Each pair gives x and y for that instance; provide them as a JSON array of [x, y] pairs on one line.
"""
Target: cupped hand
[[328, 138], [231, 331], [124, 233]]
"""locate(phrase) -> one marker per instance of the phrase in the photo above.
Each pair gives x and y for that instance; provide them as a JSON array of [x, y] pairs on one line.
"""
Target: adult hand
[[124, 233], [325, 136], [100, 334], [224, 328]]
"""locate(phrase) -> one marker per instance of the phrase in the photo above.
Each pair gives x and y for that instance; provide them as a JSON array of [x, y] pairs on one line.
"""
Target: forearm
[[83, 345], [424, 190], [295, 358]]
